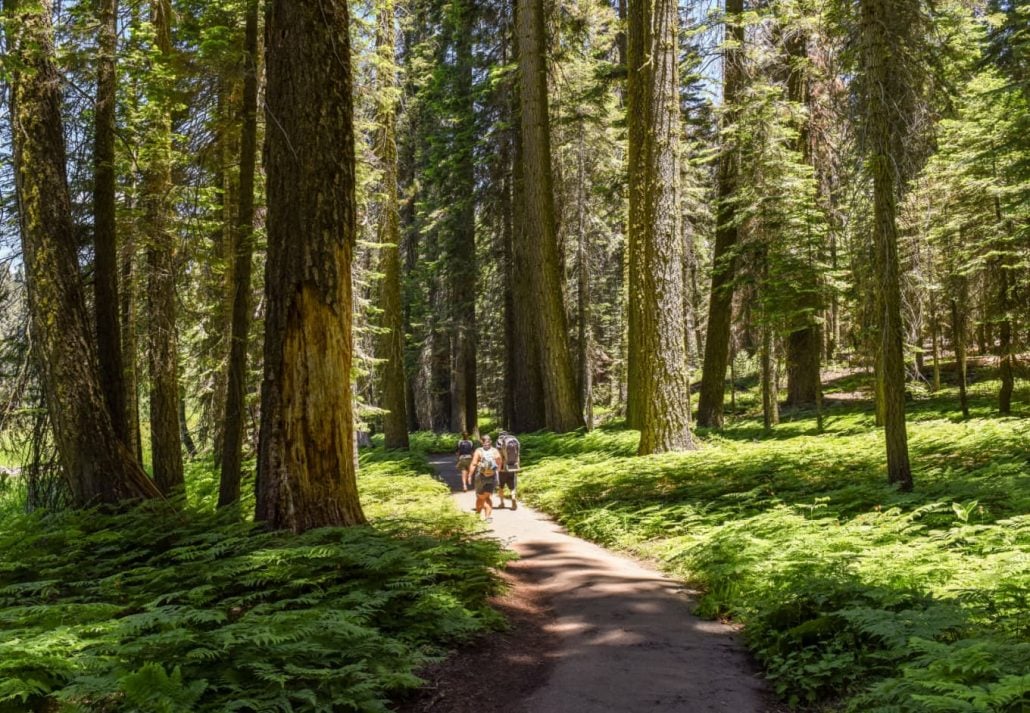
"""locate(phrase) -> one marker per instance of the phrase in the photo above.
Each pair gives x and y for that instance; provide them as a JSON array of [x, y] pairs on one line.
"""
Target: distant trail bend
[[626, 639]]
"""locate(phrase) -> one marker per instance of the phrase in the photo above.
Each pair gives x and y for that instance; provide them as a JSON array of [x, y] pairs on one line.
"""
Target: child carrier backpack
[[511, 450]]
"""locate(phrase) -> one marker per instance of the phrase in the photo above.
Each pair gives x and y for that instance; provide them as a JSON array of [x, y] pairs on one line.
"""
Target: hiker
[[464, 452], [510, 448], [485, 464]]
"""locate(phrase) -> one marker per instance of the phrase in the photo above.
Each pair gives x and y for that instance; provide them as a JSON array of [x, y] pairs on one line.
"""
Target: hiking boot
[[501, 505], [514, 503]]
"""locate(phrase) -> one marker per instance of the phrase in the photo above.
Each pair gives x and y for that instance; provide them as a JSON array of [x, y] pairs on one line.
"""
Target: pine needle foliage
[[851, 592], [188, 609]]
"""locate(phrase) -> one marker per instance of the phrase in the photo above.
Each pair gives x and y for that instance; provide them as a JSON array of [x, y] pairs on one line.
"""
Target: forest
[[748, 279]]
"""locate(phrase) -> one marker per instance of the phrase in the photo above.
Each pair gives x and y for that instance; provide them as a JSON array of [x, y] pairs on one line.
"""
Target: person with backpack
[[464, 452], [486, 462], [510, 449]]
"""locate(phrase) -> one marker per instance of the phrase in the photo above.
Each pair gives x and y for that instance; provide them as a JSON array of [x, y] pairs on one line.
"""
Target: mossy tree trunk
[[882, 64], [391, 339], [545, 306], [236, 377], [658, 345], [306, 470], [162, 262], [97, 465], [105, 224], [720, 306]]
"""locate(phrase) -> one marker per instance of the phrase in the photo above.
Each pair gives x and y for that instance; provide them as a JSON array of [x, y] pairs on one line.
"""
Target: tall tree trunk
[[804, 344], [97, 465], [105, 227], [162, 257], [306, 474], [130, 351], [545, 305], [391, 340], [236, 378], [770, 391], [958, 344], [881, 64], [526, 380], [1006, 350], [720, 309], [935, 340], [583, 342], [462, 263], [1006, 355], [657, 349]]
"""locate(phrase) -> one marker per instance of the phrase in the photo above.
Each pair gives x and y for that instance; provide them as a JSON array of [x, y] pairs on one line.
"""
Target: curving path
[[625, 636]]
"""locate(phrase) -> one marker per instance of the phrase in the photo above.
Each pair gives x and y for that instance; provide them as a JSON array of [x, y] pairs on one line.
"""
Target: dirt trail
[[623, 635]]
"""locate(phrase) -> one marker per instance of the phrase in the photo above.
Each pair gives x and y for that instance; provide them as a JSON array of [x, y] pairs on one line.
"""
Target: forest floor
[[590, 631]]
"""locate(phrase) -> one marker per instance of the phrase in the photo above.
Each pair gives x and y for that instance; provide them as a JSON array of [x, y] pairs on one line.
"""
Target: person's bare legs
[[484, 505]]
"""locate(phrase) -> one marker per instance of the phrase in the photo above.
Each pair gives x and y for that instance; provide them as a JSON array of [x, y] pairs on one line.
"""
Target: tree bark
[[881, 63], [96, 464], [162, 258], [720, 309], [306, 473], [462, 263], [526, 381], [583, 342], [804, 344], [391, 340], [545, 305], [236, 377], [105, 228], [657, 347]]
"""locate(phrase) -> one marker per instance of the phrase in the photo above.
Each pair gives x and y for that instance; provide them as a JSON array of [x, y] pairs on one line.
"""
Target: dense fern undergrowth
[[852, 594], [168, 610]]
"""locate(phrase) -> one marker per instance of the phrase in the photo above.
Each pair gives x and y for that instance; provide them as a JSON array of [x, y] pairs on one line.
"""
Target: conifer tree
[[97, 465], [538, 240], [657, 349], [391, 338], [306, 468]]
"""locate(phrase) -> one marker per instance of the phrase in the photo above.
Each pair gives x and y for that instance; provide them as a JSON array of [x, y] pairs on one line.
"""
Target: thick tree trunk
[[545, 305], [97, 465], [462, 264], [391, 340], [881, 60], [720, 309], [162, 258], [804, 344], [236, 378], [658, 346], [525, 382], [804, 349], [306, 474], [105, 230], [527, 386]]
